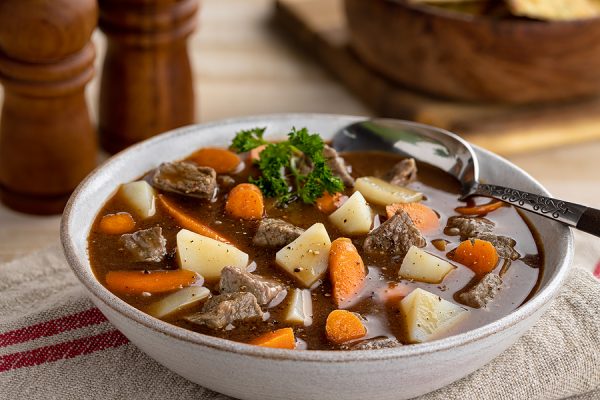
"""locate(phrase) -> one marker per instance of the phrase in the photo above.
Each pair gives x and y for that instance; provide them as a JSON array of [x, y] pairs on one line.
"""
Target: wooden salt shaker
[[47, 143], [146, 84]]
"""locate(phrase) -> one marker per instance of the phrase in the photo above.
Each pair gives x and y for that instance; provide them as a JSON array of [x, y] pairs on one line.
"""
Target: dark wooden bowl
[[476, 58]]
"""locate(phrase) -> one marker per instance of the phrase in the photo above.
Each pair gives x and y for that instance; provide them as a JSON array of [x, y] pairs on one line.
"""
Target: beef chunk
[[374, 344], [481, 228], [146, 245], [468, 227], [338, 165], [505, 246], [275, 233], [235, 280], [394, 236], [483, 292], [224, 309], [403, 172], [186, 178]]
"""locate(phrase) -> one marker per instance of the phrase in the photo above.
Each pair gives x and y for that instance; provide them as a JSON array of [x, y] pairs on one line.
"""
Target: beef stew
[[264, 253]]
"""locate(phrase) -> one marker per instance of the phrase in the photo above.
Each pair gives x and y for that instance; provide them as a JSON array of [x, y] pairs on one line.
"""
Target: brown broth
[[383, 318]]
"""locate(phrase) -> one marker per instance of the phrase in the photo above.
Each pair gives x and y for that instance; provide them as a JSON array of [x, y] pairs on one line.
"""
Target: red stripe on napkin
[[89, 317], [62, 351], [597, 270]]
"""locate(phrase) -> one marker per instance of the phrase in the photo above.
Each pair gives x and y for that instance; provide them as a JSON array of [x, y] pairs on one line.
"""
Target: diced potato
[[182, 298], [378, 191], [306, 258], [354, 217], [300, 308], [207, 256], [423, 267], [427, 315], [140, 196]]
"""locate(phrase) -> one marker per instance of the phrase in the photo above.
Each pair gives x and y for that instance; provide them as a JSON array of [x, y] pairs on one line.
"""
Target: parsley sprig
[[290, 170]]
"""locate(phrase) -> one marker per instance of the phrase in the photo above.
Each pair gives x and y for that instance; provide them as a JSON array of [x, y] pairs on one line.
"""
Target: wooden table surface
[[242, 66]]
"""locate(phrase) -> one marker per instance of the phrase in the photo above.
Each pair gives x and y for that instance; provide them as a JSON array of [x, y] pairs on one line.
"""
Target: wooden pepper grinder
[[146, 84], [47, 143]]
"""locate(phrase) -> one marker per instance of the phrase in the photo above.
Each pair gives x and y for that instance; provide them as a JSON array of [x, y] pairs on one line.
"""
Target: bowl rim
[[504, 22], [83, 272]]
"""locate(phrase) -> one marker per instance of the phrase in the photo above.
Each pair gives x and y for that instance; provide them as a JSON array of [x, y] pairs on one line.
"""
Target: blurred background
[[262, 56]]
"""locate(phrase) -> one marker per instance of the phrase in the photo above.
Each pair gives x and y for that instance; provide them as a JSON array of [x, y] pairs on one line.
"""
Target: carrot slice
[[116, 224], [346, 270], [221, 160], [481, 209], [328, 203], [188, 222], [245, 201], [254, 155], [279, 339], [479, 255], [137, 282], [342, 326], [424, 218], [392, 293]]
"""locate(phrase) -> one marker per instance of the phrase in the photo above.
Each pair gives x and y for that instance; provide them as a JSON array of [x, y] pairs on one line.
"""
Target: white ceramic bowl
[[251, 372]]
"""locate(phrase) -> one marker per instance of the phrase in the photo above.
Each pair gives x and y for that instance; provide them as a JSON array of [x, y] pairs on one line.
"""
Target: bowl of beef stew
[[251, 248]]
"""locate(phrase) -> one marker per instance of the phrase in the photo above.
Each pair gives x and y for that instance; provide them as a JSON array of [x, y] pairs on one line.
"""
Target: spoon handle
[[584, 218]]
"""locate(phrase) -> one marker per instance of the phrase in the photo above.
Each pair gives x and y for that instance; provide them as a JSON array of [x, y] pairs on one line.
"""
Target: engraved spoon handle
[[584, 218]]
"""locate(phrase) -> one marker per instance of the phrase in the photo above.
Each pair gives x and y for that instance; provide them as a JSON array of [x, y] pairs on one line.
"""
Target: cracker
[[555, 10]]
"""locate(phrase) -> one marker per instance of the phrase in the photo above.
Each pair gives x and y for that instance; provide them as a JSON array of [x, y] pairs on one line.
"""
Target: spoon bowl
[[433, 146]]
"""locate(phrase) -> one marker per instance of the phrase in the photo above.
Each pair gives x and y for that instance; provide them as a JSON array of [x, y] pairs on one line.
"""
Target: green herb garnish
[[247, 140], [290, 170]]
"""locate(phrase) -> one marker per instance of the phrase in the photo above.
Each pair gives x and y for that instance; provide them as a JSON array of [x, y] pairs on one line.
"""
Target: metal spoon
[[452, 154]]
